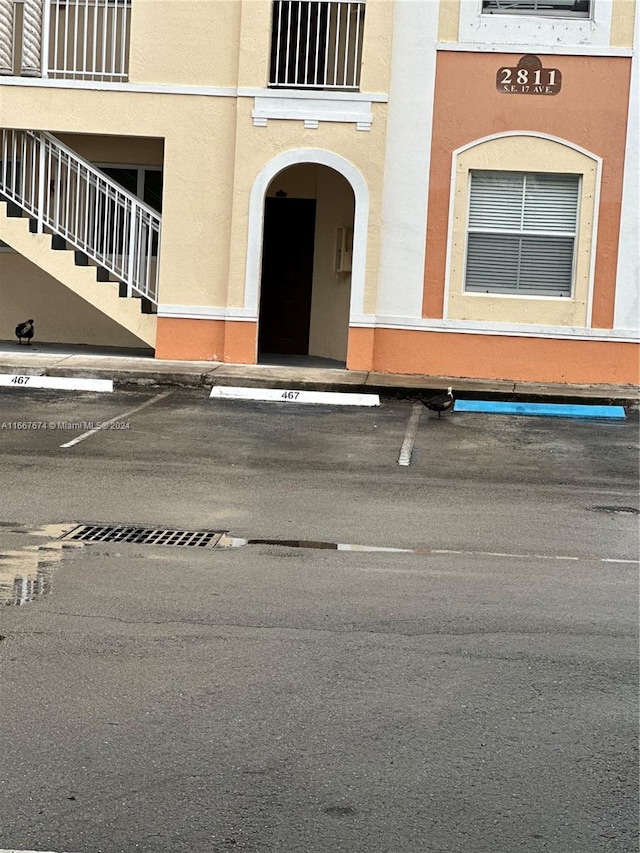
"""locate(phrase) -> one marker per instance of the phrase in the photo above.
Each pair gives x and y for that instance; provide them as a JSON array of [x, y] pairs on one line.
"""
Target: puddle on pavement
[[24, 575], [27, 574]]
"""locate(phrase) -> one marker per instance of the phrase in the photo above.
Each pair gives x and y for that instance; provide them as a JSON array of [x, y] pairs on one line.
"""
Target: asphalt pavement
[[478, 692]]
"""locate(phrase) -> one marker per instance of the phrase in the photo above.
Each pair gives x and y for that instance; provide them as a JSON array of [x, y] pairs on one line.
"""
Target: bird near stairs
[[441, 402], [24, 331]]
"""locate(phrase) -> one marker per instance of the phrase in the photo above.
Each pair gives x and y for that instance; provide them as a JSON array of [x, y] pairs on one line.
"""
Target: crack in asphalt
[[342, 629]]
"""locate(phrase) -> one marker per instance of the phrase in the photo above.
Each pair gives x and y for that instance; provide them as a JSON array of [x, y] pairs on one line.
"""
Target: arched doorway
[[307, 259]]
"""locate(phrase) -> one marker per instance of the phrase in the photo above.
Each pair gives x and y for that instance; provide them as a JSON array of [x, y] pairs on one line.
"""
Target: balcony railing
[[89, 39], [69, 197], [66, 39], [317, 44]]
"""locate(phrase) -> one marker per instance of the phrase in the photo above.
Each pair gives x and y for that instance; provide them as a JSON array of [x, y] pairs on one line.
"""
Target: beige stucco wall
[[298, 181], [188, 42], [256, 147], [331, 289], [199, 140], [210, 149], [448, 20], [128, 150], [622, 23], [226, 43], [376, 57], [60, 315], [212, 156]]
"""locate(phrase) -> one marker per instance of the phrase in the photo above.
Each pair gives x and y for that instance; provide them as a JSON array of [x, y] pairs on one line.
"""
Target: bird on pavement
[[24, 331], [441, 402]]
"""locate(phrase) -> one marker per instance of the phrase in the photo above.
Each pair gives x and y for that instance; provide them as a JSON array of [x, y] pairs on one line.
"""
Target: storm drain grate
[[144, 535], [616, 510]]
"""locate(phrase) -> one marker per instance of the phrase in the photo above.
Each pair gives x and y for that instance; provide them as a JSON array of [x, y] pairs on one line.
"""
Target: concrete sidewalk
[[126, 368]]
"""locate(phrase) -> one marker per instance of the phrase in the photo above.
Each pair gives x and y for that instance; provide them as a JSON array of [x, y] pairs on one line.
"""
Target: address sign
[[529, 78]]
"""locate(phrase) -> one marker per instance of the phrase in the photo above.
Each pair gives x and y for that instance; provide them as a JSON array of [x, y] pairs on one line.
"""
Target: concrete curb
[[139, 372]]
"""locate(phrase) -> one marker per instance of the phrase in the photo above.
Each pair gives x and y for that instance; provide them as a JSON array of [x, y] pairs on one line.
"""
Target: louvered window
[[521, 233]]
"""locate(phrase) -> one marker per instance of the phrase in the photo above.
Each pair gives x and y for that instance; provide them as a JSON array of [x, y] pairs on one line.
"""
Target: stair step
[[59, 244], [14, 211]]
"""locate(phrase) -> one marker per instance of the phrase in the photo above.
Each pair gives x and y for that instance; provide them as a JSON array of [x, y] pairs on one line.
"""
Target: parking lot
[[176, 457], [476, 693]]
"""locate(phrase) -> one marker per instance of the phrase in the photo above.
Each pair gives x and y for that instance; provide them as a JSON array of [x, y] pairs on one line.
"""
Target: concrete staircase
[[73, 269]]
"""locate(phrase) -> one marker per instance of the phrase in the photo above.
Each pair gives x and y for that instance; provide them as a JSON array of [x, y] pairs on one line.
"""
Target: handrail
[[70, 197]]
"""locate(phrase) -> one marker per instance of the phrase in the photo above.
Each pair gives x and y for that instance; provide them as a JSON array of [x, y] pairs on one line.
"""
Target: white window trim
[[492, 328], [594, 228], [535, 30]]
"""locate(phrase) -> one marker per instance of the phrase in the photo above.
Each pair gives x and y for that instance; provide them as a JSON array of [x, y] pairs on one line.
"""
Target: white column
[[408, 159], [6, 36], [627, 306], [32, 39]]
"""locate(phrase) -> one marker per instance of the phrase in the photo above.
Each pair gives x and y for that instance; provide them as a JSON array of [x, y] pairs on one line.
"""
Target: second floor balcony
[[312, 44], [317, 44], [65, 39]]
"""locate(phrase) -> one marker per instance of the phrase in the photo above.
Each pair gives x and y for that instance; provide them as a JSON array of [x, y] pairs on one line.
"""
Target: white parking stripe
[[59, 383], [284, 395], [120, 417], [560, 557], [410, 435]]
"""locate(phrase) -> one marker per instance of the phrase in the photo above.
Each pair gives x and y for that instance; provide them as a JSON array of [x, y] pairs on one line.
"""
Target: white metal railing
[[87, 39], [66, 39], [317, 44], [71, 198]]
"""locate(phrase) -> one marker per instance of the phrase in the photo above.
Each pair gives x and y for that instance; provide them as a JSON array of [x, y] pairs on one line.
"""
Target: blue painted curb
[[554, 410]]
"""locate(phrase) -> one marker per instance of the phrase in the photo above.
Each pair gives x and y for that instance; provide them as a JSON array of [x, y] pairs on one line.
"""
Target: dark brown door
[[287, 274]]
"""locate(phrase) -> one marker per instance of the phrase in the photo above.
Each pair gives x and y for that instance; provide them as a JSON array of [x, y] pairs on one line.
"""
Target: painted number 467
[[20, 380], [290, 395]]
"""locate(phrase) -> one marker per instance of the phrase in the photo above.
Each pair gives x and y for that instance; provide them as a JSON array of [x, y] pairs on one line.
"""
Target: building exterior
[[441, 187]]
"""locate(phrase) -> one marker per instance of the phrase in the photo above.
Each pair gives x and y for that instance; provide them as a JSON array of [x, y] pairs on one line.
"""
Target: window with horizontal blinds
[[521, 233]]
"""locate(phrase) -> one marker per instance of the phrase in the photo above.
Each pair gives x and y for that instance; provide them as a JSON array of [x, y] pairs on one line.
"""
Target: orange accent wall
[[241, 343], [360, 349], [206, 340], [589, 111], [519, 359]]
